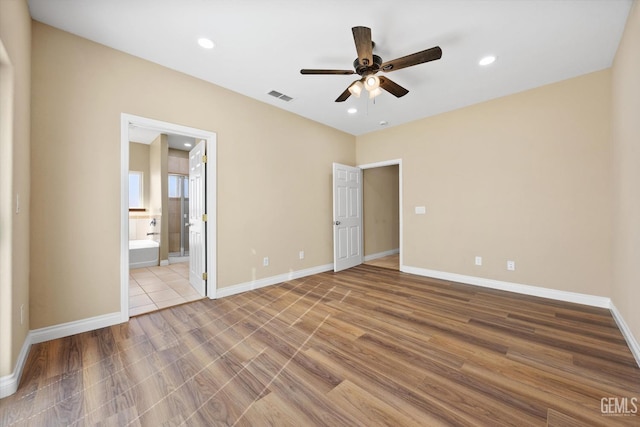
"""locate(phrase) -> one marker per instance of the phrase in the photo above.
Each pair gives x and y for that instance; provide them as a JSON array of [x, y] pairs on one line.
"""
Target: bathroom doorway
[[163, 215]]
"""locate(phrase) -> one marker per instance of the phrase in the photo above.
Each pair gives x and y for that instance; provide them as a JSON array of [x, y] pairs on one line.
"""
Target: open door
[[197, 218], [347, 217]]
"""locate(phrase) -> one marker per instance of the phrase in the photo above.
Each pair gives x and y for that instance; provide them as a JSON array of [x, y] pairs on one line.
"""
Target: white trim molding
[[268, 281], [371, 257], [633, 344], [76, 327], [592, 300], [9, 383]]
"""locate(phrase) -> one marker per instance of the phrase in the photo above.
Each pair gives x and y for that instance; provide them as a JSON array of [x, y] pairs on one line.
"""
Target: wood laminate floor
[[389, 261], [363, 347]]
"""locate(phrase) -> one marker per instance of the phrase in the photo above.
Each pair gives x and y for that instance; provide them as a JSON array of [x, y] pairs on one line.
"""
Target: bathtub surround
[[143, 253], [141, 227]]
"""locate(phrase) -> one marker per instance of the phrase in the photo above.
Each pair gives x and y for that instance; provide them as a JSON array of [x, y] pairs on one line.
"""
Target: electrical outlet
[[301, 254], [265, 261], [478, 260], [511, 265]]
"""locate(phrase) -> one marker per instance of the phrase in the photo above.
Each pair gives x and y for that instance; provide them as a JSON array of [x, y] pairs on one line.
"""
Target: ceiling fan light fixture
[[356, 89], [374, 92], [371, 82]]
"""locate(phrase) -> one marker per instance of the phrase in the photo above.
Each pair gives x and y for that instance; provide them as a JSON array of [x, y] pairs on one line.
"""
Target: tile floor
[[153, 288]]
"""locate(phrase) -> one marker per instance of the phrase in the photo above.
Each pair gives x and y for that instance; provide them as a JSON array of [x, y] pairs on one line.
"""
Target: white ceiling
[[262, 45]]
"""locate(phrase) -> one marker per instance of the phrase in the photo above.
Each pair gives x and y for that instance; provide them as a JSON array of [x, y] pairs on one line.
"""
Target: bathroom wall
[[140, 222], [140, 225], [159, 194], [178, 162], [139, 162]]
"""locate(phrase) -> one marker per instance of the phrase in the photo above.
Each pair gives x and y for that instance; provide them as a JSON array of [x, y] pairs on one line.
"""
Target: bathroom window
[[136, 191]]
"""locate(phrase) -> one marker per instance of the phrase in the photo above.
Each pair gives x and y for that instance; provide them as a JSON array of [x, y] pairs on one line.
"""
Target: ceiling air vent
[[281, 96]]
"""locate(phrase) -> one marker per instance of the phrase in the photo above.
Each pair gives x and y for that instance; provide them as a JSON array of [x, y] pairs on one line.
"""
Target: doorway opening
[[382, 214], [350, 247], [161, 216]]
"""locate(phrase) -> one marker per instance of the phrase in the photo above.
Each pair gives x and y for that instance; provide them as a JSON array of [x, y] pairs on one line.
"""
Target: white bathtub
[[143, 253]]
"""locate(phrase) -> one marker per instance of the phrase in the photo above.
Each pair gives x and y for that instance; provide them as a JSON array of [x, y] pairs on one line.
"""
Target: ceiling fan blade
[[312, 71], [392, 87], [362, 38], [414, 59], [344, 95]]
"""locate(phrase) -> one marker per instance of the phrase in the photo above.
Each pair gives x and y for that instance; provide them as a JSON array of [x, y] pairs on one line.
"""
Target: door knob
[[187, 224], [337, 222]]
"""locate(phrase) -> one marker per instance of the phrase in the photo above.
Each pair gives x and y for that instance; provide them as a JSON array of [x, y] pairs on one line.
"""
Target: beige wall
[[381, 209], [274, 174], [525, 177], [15, 84], [626, 174]]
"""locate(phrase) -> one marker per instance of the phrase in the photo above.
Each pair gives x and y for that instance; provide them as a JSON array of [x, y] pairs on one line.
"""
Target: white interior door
[[347, 217], [197, 218]]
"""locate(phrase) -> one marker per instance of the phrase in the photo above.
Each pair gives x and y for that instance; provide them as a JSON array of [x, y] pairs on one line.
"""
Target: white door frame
[[392, 163], [164, 127]]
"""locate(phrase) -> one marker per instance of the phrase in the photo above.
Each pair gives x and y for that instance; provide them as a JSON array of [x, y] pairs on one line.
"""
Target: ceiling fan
[[367, 65]]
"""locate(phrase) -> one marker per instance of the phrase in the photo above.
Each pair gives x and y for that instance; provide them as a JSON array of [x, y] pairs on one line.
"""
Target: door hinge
[[204, 217], [204, 276], [204, 159]]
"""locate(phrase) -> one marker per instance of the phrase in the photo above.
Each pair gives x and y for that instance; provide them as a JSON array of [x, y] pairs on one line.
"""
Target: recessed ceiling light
[[487, 60], [206, 43], [352, 110], [187, 144]]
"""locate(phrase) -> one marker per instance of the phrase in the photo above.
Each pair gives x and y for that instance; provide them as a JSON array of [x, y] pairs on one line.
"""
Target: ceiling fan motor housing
[[365, 70]]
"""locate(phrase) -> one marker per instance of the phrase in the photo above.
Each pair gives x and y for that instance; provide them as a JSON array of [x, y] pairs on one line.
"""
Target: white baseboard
[[381, 254], [9, 383], [164, 263], [592, 300], [633, 344], [76, 327], [268, 281]]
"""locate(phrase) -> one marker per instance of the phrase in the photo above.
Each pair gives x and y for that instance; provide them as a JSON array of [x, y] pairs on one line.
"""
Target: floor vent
[[281, 96]]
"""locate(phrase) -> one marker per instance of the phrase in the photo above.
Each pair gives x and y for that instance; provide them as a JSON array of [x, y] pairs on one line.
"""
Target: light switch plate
[[421, 210]]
